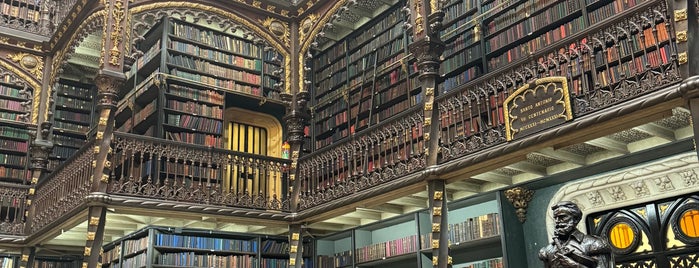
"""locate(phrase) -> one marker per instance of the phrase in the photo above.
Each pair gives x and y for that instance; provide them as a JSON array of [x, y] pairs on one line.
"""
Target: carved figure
[[572, 248]]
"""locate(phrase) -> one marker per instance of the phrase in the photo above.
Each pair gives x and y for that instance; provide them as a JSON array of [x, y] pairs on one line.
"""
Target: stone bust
[[572, 248]]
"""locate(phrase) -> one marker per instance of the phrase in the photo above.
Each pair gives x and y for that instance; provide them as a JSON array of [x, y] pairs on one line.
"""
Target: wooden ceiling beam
[[657, 130], [562, 155], [610, 144]]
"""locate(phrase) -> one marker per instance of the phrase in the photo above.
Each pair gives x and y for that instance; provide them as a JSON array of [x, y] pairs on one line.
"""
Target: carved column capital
[[520, 198], [107, 88], [39, 152]]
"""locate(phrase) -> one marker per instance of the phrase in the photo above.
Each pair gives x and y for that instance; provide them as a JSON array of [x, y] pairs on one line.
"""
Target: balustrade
[[165, 170], [13, 200], [386, 152]]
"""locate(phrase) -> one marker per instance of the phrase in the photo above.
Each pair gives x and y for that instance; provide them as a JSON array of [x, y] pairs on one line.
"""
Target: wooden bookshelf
[[15, 112], [72, 117]]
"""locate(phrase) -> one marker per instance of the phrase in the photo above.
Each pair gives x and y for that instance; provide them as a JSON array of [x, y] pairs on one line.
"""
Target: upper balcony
[[630, 105]]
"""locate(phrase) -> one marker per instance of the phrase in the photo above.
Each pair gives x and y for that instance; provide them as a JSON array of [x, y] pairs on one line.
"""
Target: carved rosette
[[520, 198]]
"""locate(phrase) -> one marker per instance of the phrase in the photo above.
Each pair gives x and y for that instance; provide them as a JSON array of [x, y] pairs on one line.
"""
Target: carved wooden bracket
[[520, 198]]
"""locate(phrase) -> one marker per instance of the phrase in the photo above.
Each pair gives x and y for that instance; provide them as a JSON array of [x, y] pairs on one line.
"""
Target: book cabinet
[[188, 76], [73, 114], [20, 11], [476, 234], [154, 247], [15, 113]]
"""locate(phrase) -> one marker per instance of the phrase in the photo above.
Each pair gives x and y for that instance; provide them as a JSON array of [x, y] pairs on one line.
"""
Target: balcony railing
[[388, 151], [37, 17], [171, 171], [13, 200], [64, 189], [611, 62]]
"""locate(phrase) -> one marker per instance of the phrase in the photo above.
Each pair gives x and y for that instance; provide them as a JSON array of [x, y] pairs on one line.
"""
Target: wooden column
[[295, 245], [426, 21], [26, 260], [109, 79]]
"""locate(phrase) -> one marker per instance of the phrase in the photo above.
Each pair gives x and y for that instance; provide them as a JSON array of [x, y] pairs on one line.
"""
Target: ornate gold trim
[[226, 14], [682, 57], [285, 35], [537, 82], [21, 58], [681, 36], [118, 17], [32, 83], [520, 198], [680, 14]]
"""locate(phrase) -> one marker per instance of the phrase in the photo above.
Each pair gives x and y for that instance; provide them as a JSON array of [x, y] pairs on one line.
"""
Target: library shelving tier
[[15, 110], [72, 118], [476, 233], [56, 262], [462, 59], [8, 261], [24, 11], [188, 76], [159, 247], [363, 79]]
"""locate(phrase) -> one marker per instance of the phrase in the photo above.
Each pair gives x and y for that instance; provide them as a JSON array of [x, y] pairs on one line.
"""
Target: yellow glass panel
[[689, 223], [621, 235]]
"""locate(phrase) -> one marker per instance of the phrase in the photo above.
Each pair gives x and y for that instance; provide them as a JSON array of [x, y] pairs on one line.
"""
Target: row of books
[[7, 262], [329, 56], [611, 9], [387, 249], [15, 160], [388, 97], [63, 152], [275, 247], [483, 226], [216, 55], [14, 92], [338, 260], [460, 59], [135, 245], [330, 70], [540, 42], [465, 39], [269, 82], [147, 56], [198, 242], [140, 260], [330, 84], [457, 80], [213, 69], [65, 89], [7, 131], [70, 102], [492, 263], [390, 20], [377, 41], [633, 44], [8, 172], [71, 115], [196, 108], [337, 135], [195, 123], [208, 260], [16, 146], [331, 123], [112, 254], [71, 126], [195, 138], [231, 85], [274, 263], [457, 8], [13, 116], [205, 95], [531, 24], [517, 13], [638, 65], [215, 39], [13, 105], [23, 12]]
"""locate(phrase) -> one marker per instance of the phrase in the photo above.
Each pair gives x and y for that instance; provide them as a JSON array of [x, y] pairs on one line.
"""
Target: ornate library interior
[[349, 133]]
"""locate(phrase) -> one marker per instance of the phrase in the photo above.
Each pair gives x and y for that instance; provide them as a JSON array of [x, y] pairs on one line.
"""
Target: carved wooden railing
[[385, 152], [612, 62], [37, 17], [64, 189], [172, 171], [13, 200]]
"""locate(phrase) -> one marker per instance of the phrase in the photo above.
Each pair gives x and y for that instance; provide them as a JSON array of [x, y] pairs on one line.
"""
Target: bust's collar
[[578, 235]]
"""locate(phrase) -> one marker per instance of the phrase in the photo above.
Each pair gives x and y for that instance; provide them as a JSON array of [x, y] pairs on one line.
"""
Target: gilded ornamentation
[[682, 57], [228, 15], [4, 40], [520, 198], [300, 10], [31, 63], [278, 28], [88, 251], [116, 36], [434, 6], [680, 15], [418, 19], [271, 8], [90, 236], [32, 83], [94, 221], [59, 34], [285, 12], [256, 4], [681, 36]]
